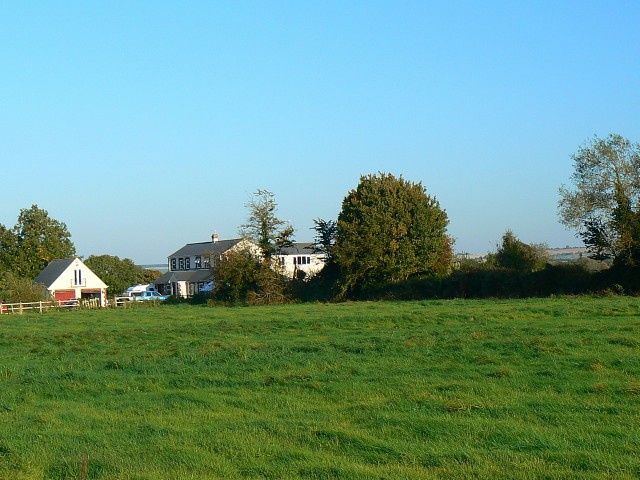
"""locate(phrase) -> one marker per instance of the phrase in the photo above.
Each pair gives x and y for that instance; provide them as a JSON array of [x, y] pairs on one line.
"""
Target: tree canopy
[[514, 254], [325, 238], [119, 274], [388, 230], [603, 203], [34, 241], [263, 227]]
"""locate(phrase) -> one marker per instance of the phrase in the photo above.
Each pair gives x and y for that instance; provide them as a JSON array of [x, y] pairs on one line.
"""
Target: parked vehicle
[[148, 296], [138, 289]]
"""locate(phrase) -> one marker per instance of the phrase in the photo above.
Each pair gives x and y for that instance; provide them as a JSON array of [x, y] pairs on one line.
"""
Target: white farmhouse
[[300, 258], [71, 279], [190, 267]]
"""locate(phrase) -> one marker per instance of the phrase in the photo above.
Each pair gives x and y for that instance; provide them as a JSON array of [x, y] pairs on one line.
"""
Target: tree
[[604, 202], [514, 254], [263, 227], [119, 274], [14, 289], [388, 230], [236, 275], [243, 276], [34, 241], [325, 238], [7, 248]]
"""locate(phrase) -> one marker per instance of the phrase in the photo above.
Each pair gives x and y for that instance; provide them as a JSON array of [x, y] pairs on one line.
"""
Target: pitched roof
[[52, 271], [203, 248], [191, 276], [301, 248]]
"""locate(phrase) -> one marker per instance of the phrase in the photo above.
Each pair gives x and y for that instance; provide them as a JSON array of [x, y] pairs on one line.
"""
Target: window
[[181, 264], [187, 263], [173, 264], [207, 262], [198, 262], [302, 260]]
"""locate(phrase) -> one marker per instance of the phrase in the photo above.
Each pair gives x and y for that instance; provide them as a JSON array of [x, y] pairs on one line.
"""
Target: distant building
[[70, 279], [190, 269]]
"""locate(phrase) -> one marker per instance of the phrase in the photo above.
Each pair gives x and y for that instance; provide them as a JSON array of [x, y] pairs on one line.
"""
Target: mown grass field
[[544, 388]]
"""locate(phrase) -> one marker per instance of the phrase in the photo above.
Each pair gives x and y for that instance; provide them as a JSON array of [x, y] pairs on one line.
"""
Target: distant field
[[544, 388]]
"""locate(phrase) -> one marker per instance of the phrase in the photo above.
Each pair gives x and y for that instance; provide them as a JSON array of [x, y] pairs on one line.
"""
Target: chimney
[[214, 237]]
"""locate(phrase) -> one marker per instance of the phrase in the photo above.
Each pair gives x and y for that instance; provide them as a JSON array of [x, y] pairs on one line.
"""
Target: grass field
[[545, 388]]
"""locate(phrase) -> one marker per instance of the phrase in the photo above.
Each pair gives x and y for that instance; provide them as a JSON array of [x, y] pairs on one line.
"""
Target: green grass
[[544, 388]]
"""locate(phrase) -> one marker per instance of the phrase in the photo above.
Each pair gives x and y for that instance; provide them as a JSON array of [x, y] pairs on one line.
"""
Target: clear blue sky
[[146, 125]]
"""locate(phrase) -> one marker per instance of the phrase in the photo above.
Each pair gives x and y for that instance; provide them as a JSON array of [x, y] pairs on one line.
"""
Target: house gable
[[71, 278]]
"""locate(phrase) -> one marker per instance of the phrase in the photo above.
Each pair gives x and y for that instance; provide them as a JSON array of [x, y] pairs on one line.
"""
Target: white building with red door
[[70, 279]]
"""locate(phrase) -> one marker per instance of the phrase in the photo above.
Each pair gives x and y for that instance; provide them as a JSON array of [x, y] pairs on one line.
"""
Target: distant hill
[[161, 267], [566, 254]]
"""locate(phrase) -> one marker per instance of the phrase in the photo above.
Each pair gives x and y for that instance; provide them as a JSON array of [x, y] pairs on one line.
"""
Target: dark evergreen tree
[[388, 230]]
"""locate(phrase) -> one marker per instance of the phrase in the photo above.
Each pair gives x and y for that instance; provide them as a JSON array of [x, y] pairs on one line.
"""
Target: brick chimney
[[214, 237]]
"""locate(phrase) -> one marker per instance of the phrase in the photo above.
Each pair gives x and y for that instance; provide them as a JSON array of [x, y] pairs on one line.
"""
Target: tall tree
[[603, 203], [263, 227], [34, 241], [388, 230], [7, 248]]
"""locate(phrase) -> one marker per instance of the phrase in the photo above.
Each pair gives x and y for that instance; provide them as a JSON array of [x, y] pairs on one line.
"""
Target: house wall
[[307, 263]]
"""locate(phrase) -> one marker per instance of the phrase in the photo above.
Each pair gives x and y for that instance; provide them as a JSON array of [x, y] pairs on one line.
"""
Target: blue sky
[[147, 125]]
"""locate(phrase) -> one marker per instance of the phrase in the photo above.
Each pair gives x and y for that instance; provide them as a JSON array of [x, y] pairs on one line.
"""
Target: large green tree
[[34, 241], [388, 230], [603, 202], [118, 273]]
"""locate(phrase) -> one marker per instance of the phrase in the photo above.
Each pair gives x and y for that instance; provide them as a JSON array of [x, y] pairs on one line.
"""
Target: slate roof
[[203, 248], [301, 248], [52, 271], [191, 276]]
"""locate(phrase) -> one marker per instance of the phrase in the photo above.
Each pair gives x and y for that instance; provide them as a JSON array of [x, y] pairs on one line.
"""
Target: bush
[[15, 289]]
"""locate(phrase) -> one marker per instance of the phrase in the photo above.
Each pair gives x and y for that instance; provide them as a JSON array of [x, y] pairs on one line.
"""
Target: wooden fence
[[40, 307]]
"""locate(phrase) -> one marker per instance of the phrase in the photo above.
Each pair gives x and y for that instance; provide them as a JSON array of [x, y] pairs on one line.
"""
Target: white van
[[137, 290]]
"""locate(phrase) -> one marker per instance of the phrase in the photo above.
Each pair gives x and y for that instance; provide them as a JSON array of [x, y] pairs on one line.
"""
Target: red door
[[64, 295]]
